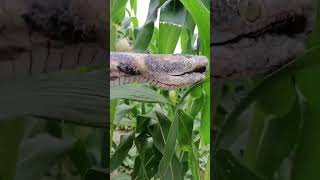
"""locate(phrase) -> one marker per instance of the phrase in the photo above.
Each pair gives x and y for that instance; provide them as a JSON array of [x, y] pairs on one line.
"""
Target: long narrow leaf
[[78, 98]]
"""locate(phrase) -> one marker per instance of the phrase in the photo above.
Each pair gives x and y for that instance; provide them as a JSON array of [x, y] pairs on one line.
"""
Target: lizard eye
[[250, 10]]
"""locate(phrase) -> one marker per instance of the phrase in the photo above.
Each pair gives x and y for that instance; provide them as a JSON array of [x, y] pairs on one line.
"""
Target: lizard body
[[165, 71]]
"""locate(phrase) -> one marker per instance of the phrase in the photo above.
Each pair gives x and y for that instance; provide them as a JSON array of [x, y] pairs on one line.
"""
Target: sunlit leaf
[[145, 33], [136, 92], [201, 16], [172, 17]]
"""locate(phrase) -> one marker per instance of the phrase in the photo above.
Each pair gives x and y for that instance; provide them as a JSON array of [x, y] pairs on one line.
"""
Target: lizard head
[[162, 71], [257, 36]]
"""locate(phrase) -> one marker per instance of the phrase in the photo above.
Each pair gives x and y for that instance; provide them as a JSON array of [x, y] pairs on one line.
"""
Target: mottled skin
[[256, 37], [39, 36], [163, 71]]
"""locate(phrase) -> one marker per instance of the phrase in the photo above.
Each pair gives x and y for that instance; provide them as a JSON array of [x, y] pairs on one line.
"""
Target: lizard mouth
[[282, 25], [198, 70]]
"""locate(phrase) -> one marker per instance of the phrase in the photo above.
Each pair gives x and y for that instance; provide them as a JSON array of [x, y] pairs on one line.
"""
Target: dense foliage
[[161, 134], [269, 129]]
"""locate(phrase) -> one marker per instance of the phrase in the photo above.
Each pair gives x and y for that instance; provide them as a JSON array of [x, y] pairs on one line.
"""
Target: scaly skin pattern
[[169, 71], [46, 36], [257, 37]]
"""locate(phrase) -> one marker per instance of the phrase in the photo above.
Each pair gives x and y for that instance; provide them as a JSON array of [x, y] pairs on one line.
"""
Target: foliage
[[269, 129], [37, 138], [163, 134]]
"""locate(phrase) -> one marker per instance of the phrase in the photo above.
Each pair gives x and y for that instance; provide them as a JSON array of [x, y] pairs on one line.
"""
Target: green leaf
[[145, 33], [136, 92], [11, 135], [227, 167], [194, 162], [76, 98], [137, 170], [122, 111], [282, 132], [121, 151], [96, 174], [206, 114], [185, 130], [142, 124], [172, 17], [197, 106], [113, 108], [169, 149], [153, 46], [38, 154], [113, 36], [279, 99], [254, 136], [144, 146], [135, 22], [173, 12], [306, 160], [207, 170], [80, 150], [201, 15], [309, 59], [118, 9], [168, 38], [314, 38], [187, 35], [185, 136], [161, 131], [133, 5], [144, 37], [305, 163], [121, 177]]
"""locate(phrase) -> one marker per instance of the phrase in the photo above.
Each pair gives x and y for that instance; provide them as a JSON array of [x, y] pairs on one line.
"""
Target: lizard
[[165, 71], [42, 37], [39, 37], [49, 36], [251, 38], [38, 40], [248, 36]]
